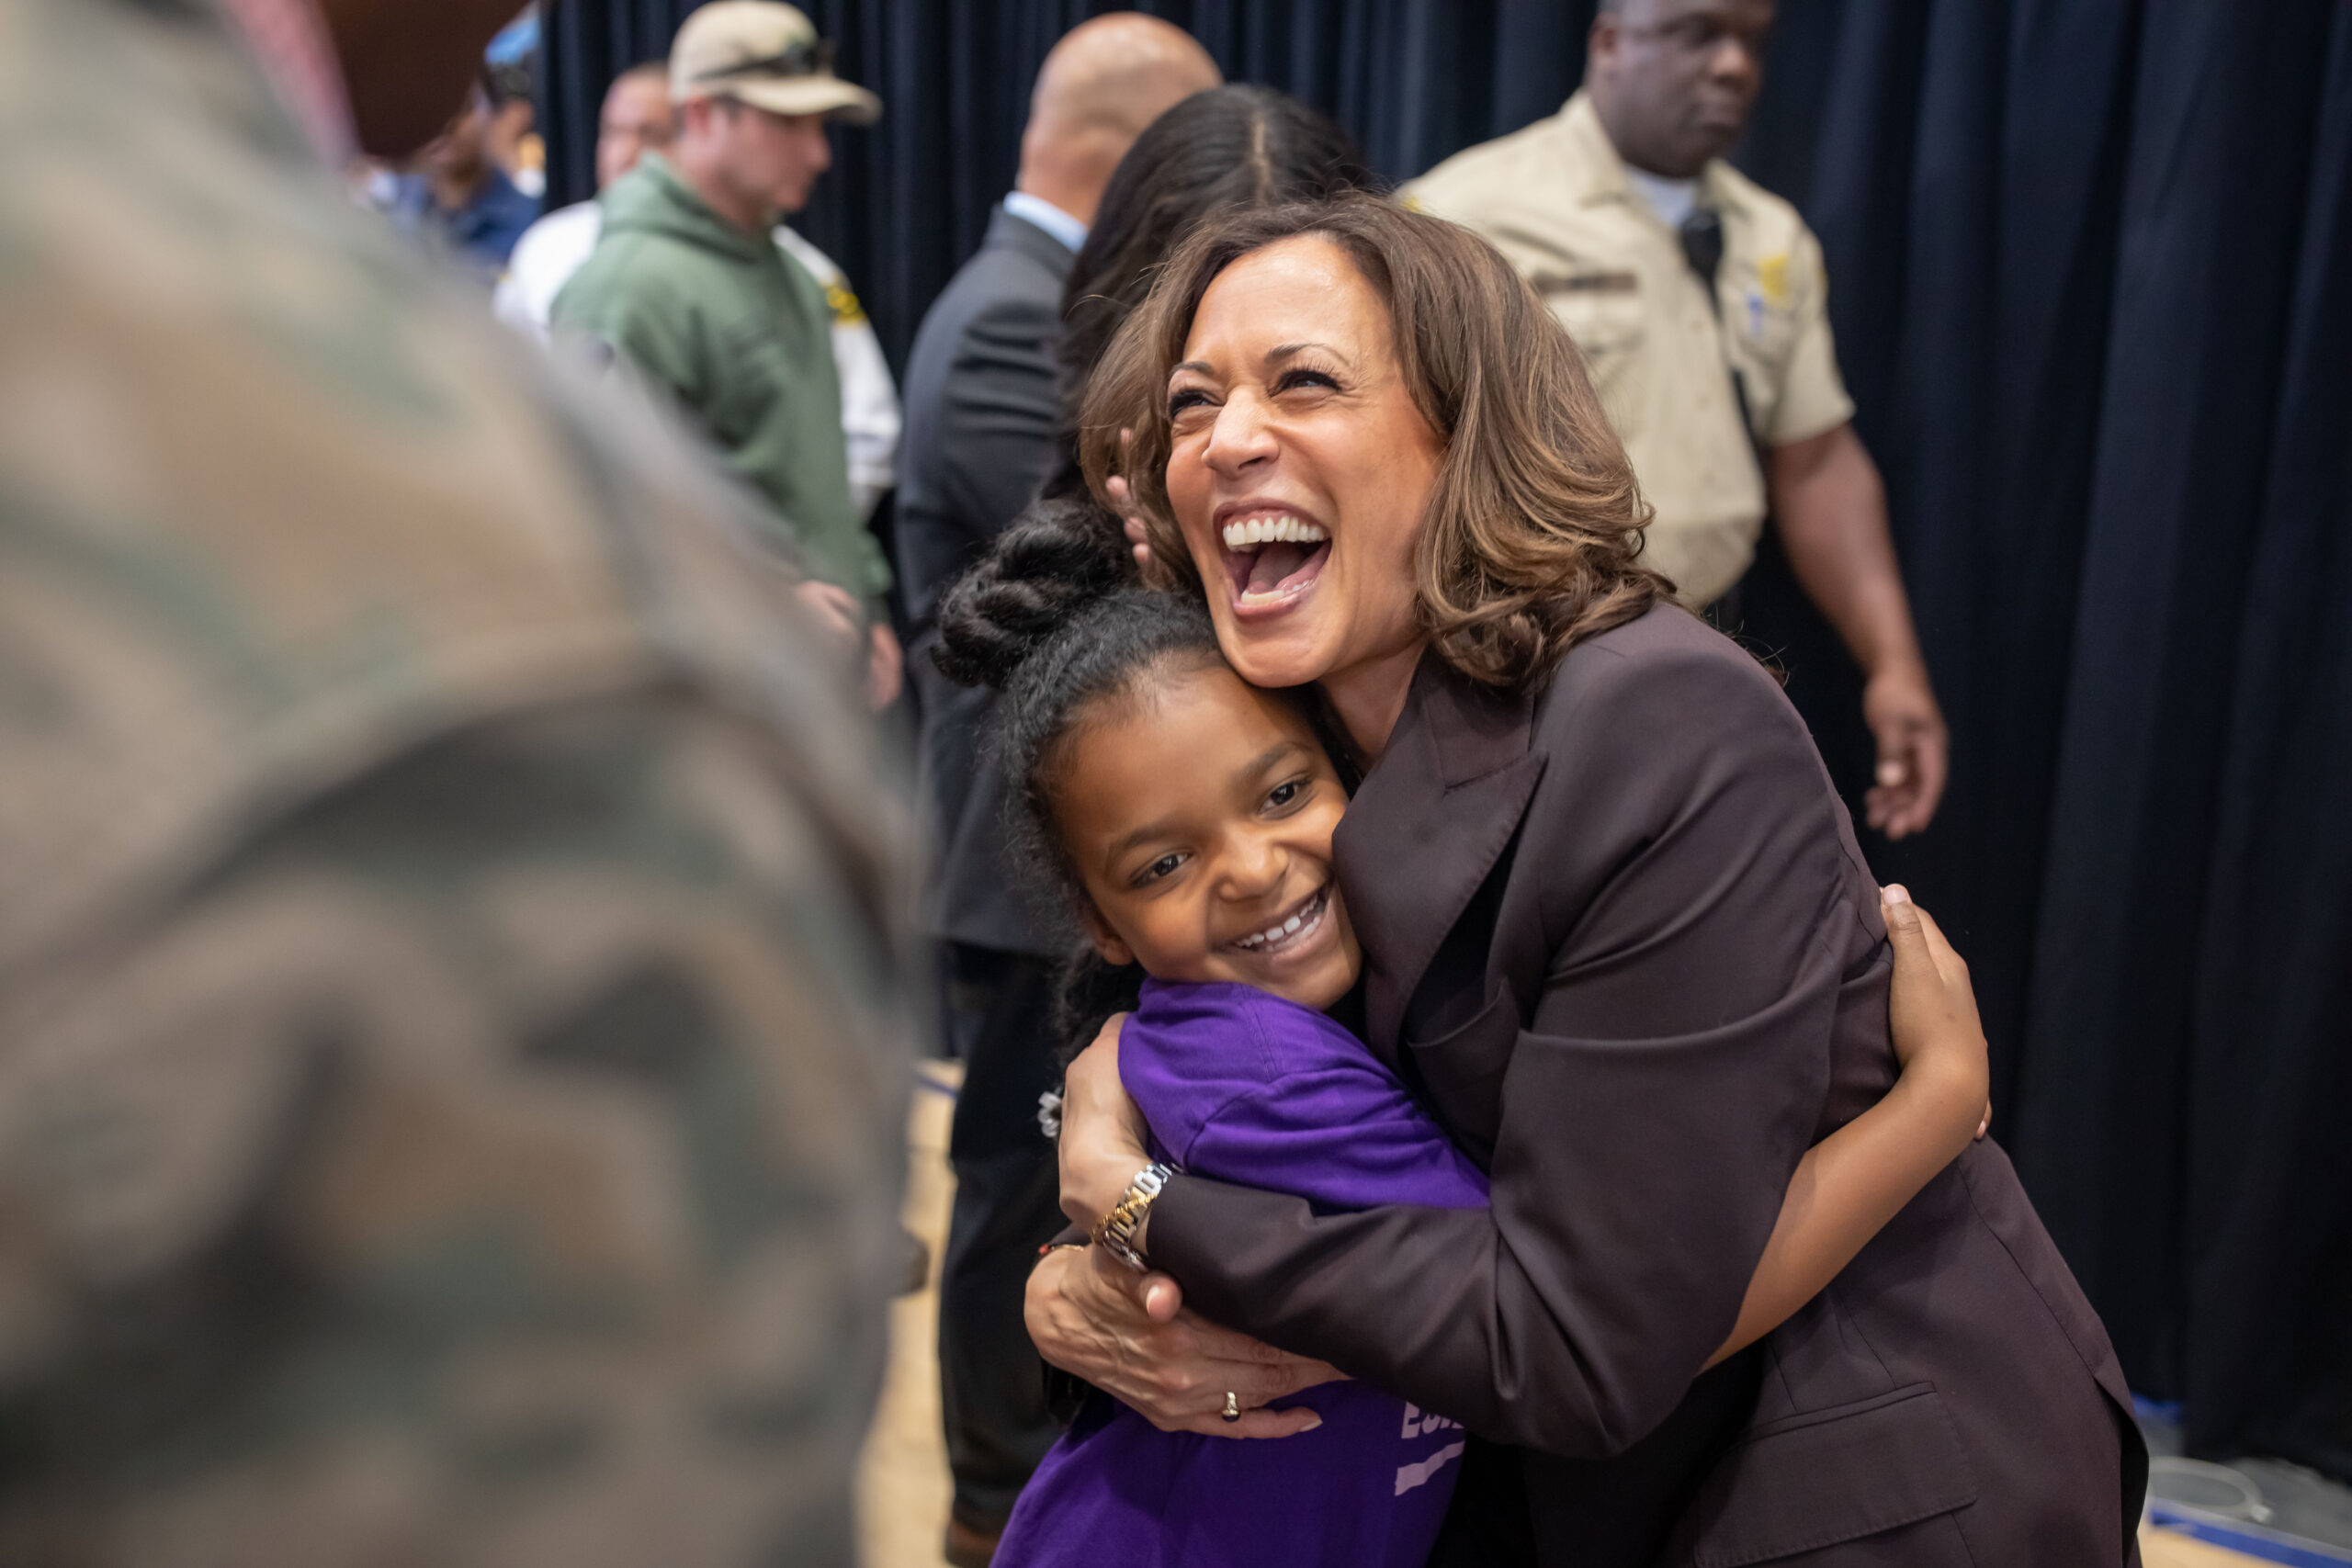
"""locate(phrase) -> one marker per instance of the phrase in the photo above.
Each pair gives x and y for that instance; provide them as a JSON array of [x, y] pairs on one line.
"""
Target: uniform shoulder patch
[[847, 311]]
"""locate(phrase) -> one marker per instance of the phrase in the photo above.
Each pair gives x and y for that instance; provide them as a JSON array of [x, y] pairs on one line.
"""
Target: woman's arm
[[1710, 975], [1125, 1331], [1852, 1182]]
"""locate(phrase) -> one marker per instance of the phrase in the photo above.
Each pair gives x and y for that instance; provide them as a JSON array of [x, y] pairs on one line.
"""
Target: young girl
[[1190, 817]]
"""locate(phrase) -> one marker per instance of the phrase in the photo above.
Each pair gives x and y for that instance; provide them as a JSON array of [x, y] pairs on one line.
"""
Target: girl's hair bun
[[1057, 557]]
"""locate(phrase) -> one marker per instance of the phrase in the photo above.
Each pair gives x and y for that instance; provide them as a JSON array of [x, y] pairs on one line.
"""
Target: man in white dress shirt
[[638, 117]]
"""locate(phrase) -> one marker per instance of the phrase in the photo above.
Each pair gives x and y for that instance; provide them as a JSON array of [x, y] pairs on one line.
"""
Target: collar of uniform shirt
[[1046, 216], [1671, 199], [297, 52]]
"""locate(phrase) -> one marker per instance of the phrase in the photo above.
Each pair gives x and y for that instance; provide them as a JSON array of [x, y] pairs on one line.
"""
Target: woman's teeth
[[1306, 920], [1248, 532]]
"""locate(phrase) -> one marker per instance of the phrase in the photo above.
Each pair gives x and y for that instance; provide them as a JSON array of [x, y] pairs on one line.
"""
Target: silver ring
[[1232, 1411]]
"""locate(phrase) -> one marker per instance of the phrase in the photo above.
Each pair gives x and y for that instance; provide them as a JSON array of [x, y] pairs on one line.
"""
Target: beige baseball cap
[[768, 55]]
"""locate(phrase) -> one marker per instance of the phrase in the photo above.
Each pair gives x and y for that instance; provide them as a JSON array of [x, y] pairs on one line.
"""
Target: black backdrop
[[2092, 268]]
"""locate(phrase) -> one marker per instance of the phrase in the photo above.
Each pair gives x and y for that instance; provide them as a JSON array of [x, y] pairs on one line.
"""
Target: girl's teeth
[[1275, 933]]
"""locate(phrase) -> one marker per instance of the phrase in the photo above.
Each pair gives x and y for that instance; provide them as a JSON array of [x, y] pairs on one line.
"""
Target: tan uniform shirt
[[1554, 198]]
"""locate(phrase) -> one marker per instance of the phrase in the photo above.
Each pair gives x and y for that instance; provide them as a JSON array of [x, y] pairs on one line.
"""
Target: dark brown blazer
[[1621, 935]]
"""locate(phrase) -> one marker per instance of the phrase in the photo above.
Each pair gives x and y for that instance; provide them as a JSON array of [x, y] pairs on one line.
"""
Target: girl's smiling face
[[1198, 811]]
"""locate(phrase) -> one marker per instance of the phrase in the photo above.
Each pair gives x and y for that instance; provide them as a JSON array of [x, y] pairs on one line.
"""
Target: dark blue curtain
[[2089, 262]]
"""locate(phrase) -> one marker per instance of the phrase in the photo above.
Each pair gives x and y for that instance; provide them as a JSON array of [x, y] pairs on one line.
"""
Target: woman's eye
[[1293, 380], [1183, 402]]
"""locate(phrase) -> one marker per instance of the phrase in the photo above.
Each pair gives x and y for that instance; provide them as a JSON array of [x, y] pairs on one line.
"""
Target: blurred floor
[[2275, 1511], [902, 1485], [902, 1488]]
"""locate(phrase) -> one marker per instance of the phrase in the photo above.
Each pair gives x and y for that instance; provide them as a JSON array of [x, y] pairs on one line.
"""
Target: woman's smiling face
[[1199, 813], [1299, 465]]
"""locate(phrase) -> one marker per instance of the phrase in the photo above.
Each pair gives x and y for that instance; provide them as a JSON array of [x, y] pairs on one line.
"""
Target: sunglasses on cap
[[811, 57]]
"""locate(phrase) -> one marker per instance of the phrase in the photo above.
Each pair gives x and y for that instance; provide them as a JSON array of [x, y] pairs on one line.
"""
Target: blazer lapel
[[1428, 823]]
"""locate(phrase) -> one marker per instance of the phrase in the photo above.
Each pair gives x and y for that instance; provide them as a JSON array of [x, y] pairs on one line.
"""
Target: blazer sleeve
[[1001, 411], [1698, 920]]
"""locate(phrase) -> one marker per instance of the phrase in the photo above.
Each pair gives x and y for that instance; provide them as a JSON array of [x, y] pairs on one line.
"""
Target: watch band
[[1116, 1234]]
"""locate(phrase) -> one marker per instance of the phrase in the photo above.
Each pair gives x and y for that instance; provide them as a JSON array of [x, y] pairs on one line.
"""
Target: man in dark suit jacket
[[982, 426]]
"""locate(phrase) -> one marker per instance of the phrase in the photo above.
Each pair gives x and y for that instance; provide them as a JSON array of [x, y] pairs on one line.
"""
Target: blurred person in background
[[636, 119], [455, 1015], [686, 287], [1700, 305], [457, 200], [983, 411], [515, 145]]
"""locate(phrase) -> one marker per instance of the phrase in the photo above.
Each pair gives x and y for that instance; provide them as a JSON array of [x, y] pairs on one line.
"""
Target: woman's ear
[[1106, 940]]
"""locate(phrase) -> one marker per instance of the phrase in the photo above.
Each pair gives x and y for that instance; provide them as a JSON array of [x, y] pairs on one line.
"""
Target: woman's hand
[[1126, 1334], [1937, 1036]]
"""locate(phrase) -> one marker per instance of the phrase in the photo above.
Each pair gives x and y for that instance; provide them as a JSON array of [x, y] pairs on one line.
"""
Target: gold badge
[[1773, 274], [847, 311]]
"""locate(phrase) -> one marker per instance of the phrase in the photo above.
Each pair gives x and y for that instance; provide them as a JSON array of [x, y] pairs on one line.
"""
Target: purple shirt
[[1244, 1087]]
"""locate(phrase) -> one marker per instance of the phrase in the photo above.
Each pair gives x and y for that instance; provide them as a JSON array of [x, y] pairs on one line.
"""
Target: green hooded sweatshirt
[[742, 338]]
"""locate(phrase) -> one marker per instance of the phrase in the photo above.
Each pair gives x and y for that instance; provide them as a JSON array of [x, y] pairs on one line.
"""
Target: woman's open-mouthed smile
[[1273, 553], [1299, 464]]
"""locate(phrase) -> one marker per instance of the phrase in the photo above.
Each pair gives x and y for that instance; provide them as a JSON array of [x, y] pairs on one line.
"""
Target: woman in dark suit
[[1617, 930]]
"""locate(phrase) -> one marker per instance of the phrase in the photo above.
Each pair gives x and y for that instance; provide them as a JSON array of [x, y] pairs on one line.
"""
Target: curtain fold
[[2089, 266]]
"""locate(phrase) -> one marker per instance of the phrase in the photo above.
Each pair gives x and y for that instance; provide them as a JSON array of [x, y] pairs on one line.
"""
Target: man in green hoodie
[[686, 286]]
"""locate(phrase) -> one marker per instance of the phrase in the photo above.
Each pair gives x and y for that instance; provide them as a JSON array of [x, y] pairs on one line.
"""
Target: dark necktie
[[1702, 233], [1703, 247]]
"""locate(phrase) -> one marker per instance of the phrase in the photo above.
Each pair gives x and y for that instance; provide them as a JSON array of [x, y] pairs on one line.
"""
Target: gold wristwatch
[[1116, 1233]]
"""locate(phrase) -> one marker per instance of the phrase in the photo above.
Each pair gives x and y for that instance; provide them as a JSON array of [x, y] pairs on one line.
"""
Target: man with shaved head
[[981, 409]]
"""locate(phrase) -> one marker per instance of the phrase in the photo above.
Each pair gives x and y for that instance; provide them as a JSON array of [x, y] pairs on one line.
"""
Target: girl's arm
[[1852, 1182]]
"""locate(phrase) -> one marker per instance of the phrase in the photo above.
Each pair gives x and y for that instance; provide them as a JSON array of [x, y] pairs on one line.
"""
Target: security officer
[[453, 1017], [1700, 304]]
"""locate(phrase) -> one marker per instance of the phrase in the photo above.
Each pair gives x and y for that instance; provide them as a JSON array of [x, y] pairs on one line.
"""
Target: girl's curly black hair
[[1056, 618]]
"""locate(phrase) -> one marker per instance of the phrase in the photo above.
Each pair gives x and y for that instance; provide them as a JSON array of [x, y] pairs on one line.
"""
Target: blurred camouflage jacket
[[452, 1034]]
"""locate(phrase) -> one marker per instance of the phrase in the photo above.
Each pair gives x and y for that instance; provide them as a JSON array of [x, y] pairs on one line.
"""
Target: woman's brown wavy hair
[[1534, 531]]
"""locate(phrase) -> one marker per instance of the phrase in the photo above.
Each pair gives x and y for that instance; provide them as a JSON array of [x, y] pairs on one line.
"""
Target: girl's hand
[[1122, 497], [1937, 1036], [1849, 1185]]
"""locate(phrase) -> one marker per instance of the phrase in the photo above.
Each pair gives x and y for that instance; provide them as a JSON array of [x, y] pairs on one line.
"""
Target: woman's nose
[[1241, 436]]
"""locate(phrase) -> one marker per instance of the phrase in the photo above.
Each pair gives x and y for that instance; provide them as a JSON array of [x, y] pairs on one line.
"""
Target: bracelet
[[1116, 1234]]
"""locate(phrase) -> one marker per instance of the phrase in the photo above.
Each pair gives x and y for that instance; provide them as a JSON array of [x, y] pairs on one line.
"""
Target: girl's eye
[[1164, 866], [1286, 794]]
